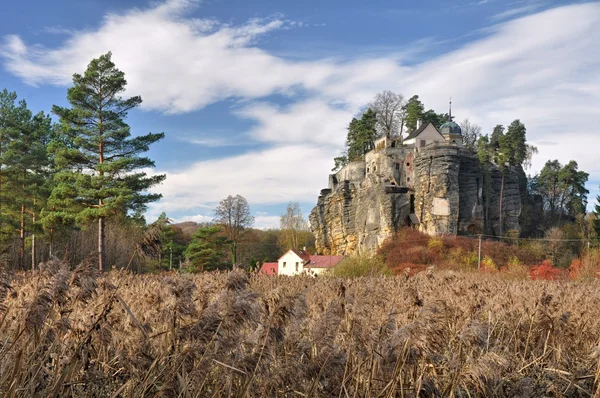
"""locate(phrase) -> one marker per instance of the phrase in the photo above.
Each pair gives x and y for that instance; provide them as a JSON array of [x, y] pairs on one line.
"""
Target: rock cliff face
[[442, 189]]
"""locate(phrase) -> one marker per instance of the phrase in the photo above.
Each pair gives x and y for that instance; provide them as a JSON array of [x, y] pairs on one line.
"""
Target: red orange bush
[[545, 271]]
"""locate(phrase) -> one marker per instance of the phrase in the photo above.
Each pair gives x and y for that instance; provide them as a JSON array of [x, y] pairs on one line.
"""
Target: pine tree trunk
[[101, 243], [33, 252], [501, 200], [22, 239], [51, 240]]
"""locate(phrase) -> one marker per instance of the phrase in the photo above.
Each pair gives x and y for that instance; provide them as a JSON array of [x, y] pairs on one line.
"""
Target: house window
[[284, 264], [422, 143], [296, 267]]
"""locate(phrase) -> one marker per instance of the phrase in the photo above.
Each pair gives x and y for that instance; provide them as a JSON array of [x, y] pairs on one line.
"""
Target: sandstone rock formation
[[440, 189]]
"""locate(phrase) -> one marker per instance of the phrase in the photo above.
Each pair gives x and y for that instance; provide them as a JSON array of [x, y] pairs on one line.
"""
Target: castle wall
[[448, 187]]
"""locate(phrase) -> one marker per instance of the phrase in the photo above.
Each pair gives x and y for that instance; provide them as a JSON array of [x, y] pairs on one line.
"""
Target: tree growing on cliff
[[99, 161], [389, 110], [471, 133], [505, 150], [413, 111], [361, 137], [233, 214]]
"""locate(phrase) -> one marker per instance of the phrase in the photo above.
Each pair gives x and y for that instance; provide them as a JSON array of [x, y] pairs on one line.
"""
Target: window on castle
[[407, 179], [407, 164], [397, 166], [393, 144], [454, 141]]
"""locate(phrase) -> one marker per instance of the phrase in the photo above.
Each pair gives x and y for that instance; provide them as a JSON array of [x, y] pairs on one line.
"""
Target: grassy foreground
[[77, 333]]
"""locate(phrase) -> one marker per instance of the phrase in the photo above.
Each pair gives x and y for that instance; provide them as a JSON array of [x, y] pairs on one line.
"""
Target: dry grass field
[[80, 334]]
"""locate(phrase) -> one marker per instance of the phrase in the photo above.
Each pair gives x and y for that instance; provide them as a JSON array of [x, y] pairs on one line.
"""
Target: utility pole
[[479, 256]]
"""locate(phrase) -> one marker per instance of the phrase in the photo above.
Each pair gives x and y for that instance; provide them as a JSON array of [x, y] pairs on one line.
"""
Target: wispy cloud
[[513, 12]]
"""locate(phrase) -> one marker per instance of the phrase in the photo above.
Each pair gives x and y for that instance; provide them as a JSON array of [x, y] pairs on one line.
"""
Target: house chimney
[[419, 123]]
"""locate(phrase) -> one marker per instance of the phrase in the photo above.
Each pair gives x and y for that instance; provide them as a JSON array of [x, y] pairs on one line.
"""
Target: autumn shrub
[[546, 271], [361, 265], [515, 269], [586, 267], [488, 265]]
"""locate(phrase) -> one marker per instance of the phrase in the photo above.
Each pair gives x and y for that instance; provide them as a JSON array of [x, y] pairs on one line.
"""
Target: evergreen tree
[[413, 111], [24, 167], [360, 139], [27, 168], [562, 189], [362, 134], [497, 134], [99, 160], [206, 252], [437, 119]]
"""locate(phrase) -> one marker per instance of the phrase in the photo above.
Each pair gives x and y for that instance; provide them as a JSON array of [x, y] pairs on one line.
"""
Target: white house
[[424, 135], [296, 262]]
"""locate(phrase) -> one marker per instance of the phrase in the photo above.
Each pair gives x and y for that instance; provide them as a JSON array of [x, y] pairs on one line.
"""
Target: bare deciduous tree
[[471, 133], [292, 225], [388, 106], [233, 214]]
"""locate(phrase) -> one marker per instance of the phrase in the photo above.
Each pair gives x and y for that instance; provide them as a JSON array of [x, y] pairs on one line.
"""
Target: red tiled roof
[[269, 269], [302, 254], [324, 261]]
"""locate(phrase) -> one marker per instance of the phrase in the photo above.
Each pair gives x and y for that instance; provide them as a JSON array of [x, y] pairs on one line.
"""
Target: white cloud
[[313, 121], [276, 175], [512, 12], [266, 222], [537, 68]]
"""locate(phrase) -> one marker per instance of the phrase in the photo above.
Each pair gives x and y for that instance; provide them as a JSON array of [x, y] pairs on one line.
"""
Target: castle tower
[[451, 130]]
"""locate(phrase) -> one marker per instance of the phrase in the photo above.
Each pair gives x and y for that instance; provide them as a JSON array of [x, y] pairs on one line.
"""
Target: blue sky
[[254, 97]]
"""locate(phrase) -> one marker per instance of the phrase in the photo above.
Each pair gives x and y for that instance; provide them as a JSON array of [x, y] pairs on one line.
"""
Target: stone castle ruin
[[427, 181]]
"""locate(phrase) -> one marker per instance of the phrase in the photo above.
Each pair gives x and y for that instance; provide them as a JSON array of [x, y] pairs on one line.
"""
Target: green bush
[[361, 265]]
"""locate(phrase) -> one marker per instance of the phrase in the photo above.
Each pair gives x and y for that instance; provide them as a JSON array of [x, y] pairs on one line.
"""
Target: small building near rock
[[268, 269], [297, 262], [425, 134]]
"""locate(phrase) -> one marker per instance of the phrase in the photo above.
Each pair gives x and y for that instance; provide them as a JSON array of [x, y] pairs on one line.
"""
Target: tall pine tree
[[99, 160]]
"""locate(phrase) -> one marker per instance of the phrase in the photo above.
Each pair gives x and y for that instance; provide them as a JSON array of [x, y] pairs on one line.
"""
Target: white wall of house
[[290, 264], [427, 136]]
